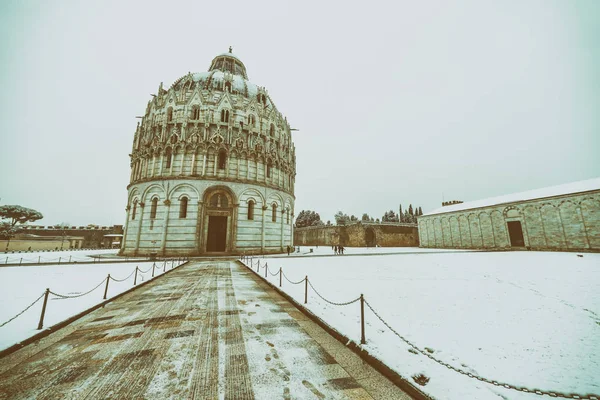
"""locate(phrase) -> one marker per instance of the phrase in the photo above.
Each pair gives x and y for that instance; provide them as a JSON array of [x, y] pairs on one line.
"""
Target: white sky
[[396, 102]]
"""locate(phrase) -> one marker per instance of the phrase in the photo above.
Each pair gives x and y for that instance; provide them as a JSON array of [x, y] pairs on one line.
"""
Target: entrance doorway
[[370, 237], [217, 233], [515, 232]]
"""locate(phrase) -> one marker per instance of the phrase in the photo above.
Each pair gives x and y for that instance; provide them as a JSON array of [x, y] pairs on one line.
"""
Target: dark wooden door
[[516, 234], [217, 233]]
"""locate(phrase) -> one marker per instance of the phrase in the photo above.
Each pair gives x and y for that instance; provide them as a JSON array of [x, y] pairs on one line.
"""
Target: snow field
[[53, 256], [526, 318], [20, 286]]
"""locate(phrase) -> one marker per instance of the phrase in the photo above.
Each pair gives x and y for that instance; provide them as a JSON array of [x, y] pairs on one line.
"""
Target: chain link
[[124, 279], [482, 379], [64, 296], [26, 308], [273, 274], [293, 283], [332, 302]]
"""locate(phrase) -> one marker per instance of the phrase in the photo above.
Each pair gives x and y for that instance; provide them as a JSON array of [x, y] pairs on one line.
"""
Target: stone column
[[204, 164], [262, 244], [199, 230], [292, 230], [163, 243], [193, 167], [153, 165], [160, 166], [182, 161], [139, 230], [215, 166], [282, 222]]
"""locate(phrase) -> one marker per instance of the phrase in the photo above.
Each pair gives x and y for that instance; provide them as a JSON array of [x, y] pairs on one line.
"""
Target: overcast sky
[[395, 102]]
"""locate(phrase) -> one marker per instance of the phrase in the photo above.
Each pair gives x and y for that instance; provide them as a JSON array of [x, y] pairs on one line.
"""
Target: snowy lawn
[[20, 286], [54, 256], [305, 251], [525, 318]]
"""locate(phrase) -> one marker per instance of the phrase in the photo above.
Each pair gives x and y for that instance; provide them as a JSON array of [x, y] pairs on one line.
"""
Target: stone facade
[[565, 222], [361, 234], [212, 169]]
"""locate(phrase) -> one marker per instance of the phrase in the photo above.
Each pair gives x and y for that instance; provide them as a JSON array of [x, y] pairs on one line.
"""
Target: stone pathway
[[209, 330]]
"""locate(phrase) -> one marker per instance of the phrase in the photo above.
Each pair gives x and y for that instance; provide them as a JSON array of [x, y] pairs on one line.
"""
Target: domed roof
[[228, 62]]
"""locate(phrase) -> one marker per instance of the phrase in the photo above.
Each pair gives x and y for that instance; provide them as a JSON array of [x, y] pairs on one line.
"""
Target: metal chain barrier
[[332, 302], [293, 283], [26, 308], [273, 274], [482, 379], [64, 296], [143, 272], [124, 279]]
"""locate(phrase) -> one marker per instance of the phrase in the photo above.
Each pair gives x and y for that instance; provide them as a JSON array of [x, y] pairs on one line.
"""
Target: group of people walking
[[338, 249]]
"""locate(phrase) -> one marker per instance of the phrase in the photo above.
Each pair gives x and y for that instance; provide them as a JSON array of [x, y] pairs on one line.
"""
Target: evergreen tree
[[410, 210], [400, 215]]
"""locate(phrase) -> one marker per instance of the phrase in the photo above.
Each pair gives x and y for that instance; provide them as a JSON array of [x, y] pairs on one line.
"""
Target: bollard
[[164, 269], [6, 260], [69, 258], [41, 323], [258, 267], [59, 259], [266, 269], [39, 258], [106, 288], [306, 289], [153, 265], [362, 320], [280, 273], [135, 277], [20, 261]]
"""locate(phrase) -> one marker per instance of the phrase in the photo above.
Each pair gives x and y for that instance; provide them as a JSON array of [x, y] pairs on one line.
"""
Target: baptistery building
[[212, 168]]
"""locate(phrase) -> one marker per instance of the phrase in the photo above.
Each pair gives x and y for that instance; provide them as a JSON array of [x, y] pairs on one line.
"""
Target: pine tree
[[400, 215], [410, 210]]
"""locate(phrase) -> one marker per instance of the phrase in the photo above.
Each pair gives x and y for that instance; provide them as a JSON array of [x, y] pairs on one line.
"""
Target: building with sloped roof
[[564, 217]]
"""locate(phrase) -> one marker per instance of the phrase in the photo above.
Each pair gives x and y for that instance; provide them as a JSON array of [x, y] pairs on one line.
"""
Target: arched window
[[274, 213], [134, 210], [228, 87], [168, 156], [183, 206], [251, 210], [272, 131], [251, 120], [287, 213], [170, 114], [224, 115], [222, 159], [153, 208], [195, 112], [269, 169]]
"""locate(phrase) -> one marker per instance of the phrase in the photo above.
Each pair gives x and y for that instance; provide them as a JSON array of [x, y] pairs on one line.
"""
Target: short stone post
[[266, 269], [153, 265], [135, 276], [280, 276]]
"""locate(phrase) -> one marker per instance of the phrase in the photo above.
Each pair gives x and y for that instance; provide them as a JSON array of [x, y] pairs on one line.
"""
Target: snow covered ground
[[526, 318], [327, 251], [54, 256], [20, 286]]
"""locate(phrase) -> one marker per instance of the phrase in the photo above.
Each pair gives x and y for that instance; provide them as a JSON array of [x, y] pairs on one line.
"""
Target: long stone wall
[[359, 235], [566, 223]]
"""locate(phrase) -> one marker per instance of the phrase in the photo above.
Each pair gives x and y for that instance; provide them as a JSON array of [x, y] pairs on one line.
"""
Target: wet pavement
[[208, 330]]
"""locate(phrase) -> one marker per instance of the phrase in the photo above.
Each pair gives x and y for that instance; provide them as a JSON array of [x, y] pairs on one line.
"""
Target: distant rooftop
[[552, 191]]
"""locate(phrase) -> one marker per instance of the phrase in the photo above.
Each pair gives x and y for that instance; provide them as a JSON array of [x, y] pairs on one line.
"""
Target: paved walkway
[[207, 330]]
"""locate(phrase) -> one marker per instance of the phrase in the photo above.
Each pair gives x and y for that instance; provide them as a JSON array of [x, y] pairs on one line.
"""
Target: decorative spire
[[230, 49]]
